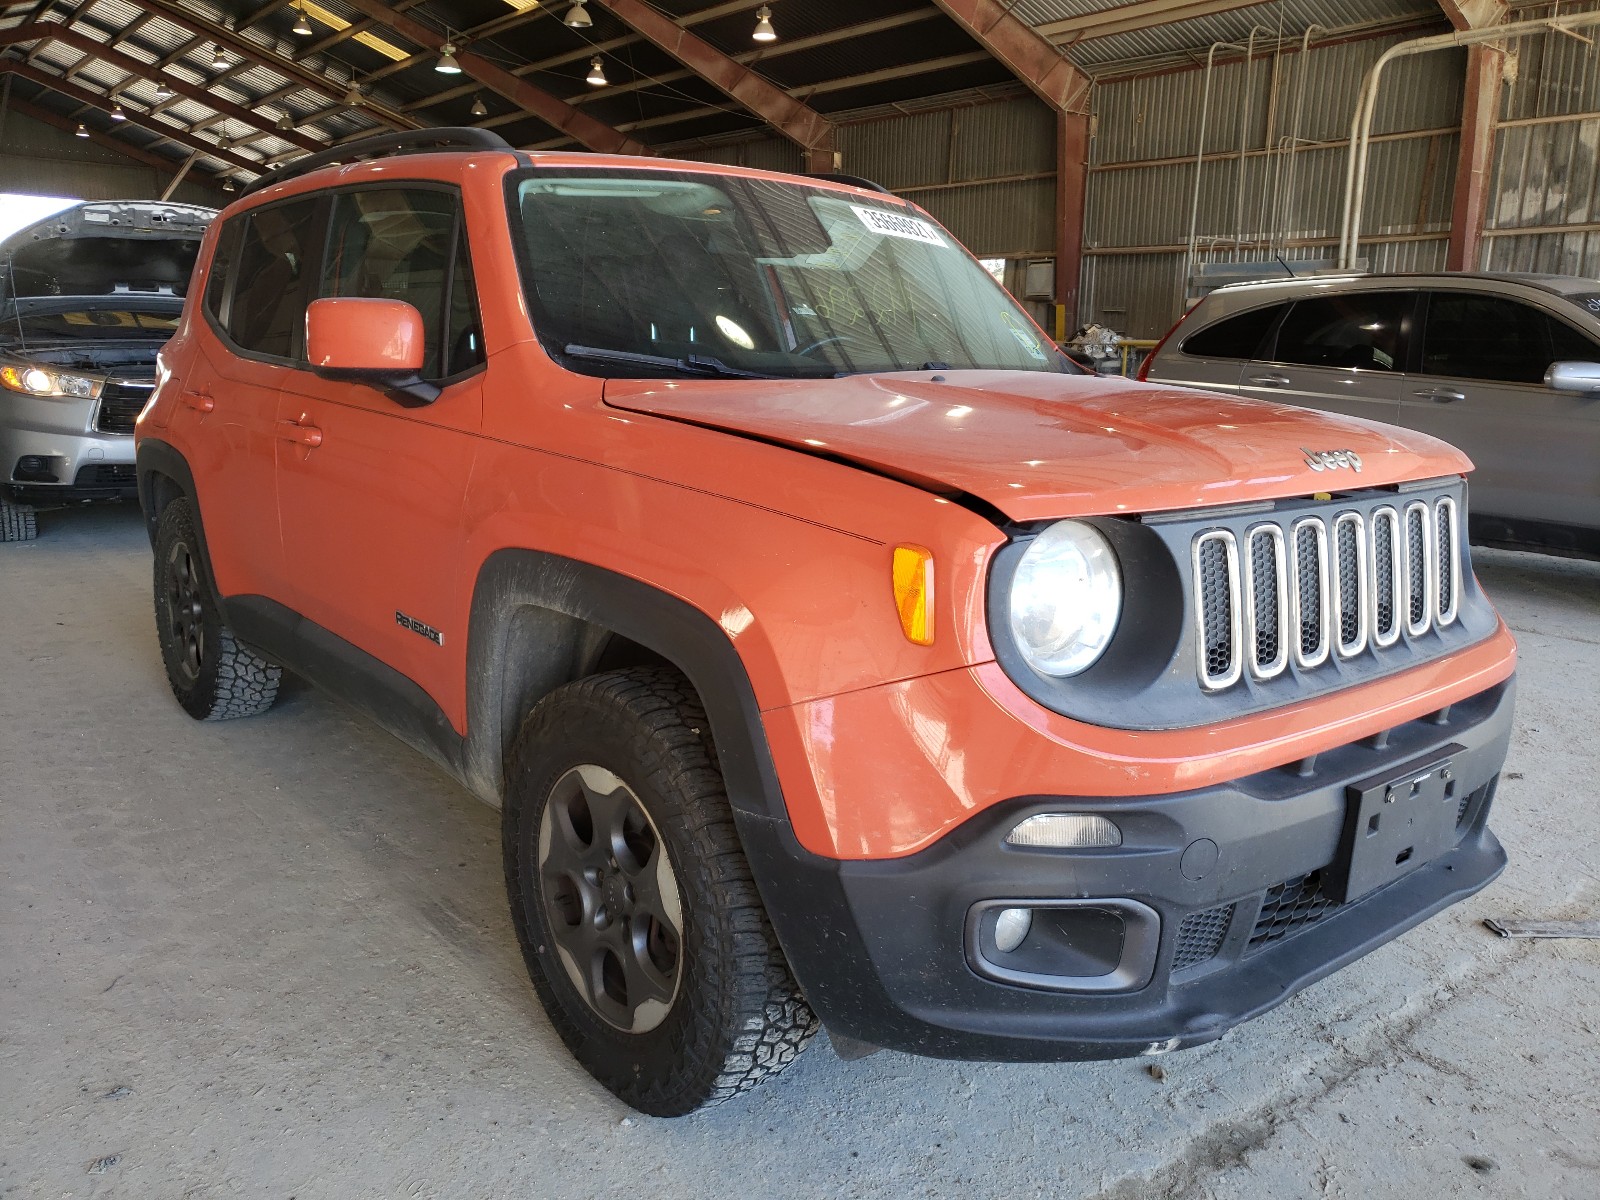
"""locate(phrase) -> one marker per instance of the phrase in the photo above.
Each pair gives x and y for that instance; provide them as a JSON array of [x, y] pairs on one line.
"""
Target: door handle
[[1273, 380], [202, 402], [1441, 395], [300, 432]]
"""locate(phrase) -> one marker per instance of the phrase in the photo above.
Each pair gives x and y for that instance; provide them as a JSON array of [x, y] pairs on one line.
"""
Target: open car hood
[[1036, 445], [103, 248]]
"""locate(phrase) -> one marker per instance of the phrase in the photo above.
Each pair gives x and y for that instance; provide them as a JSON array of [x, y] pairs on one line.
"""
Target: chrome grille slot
[[1266, 602], [1309, 591], [1449, 563], [1331, 586], [1217, 608], [1352, 598]]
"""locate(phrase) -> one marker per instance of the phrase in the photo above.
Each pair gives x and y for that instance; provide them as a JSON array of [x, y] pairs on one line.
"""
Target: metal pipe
[[1199, 156], [1294, 139], [1355, 176], [1247, 106]]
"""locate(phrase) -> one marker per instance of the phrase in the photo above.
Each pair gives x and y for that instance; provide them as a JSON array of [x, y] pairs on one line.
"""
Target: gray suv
[[1507, 367], [87, 299]]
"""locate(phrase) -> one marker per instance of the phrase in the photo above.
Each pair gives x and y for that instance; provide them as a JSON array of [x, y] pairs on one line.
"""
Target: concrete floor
[[272, 958]]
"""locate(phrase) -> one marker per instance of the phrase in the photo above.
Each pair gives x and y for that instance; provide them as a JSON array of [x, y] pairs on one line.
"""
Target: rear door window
[[1239, 336], [1364, 331], [1474, 336], [407, 244], [272, 278]]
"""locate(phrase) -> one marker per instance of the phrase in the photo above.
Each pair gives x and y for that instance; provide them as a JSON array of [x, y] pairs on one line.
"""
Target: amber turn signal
[[913, 592]]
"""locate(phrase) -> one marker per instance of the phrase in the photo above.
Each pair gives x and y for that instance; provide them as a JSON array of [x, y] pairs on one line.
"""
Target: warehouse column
[[1480, 106]]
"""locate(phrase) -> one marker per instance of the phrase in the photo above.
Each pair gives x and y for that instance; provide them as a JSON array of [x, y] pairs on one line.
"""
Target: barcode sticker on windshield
[[895, 225]]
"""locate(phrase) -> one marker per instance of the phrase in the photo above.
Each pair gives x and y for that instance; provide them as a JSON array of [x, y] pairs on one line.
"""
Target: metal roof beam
[[135, 117], [1474, 14], [798, 122], [55, 32], [580, 126], [1125, 18], [1025, 52]]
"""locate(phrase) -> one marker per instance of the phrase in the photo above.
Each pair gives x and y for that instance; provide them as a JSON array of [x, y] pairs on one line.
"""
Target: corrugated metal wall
[[40, 160], [1544, 205], [986, 171], [1142, 172]]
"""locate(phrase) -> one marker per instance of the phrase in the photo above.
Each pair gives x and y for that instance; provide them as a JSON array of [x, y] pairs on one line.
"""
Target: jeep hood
[[1037, 445], [105, 248]]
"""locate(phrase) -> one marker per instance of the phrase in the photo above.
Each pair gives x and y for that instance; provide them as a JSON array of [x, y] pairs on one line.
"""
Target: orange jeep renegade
[[837, 652]]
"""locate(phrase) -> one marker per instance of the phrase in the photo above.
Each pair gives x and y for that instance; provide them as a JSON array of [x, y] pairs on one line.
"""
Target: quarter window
[[1364, 331], [1238, 336], [272, 278]]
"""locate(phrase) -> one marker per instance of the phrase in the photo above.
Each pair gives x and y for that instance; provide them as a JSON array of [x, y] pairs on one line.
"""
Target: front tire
[[634, 905], [213, 676], [17, 521]]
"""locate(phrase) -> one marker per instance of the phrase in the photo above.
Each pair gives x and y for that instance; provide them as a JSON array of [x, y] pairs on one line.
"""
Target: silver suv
[[1507, 367], [87, 298]]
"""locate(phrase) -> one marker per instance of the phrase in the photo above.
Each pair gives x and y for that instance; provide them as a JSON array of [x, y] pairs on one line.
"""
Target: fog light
[[1075, 831], [1010, 927]]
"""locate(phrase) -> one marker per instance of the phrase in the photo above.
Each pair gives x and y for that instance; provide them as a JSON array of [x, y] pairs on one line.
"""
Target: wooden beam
[[795, 120]]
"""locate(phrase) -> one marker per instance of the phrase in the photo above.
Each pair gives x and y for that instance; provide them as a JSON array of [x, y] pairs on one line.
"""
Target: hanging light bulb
[[117, 114], [597, 72], [227, 185], [352, 96], [577, 17], [764, 31], [219, 60], [163, 92], [82, 131], [447, 64], [479, 108], [302, 27]]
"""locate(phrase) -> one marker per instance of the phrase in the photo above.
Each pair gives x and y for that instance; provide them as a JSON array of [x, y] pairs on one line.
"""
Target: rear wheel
[[17, 522], [213, 676], [632, 899]]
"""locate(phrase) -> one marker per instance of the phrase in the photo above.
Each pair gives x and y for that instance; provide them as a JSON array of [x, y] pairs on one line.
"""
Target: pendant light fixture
[[82, 131], [479, 108], [116, 112], [163, 92], [352, 95], [447, 64], [219, 60], [302, 27], [597, 73], [764, 31], [577, 16], [284, 124], [228, 186]]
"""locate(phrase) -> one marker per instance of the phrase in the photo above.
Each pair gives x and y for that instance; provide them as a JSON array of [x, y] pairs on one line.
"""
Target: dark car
[[87, 298]]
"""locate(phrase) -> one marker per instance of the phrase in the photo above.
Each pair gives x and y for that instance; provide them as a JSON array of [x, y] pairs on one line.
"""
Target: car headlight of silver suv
[[1066, 599], [48, 383]]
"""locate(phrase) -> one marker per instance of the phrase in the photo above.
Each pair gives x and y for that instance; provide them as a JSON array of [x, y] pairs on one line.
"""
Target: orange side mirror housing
[[368, 340]]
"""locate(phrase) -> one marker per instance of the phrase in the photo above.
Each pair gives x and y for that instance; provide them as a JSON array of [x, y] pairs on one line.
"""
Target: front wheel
[[633, 902], [212, 674], [17, 521]]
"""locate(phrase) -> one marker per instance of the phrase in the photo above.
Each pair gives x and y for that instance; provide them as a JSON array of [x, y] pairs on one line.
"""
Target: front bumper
[[50, 452], [885, 952]]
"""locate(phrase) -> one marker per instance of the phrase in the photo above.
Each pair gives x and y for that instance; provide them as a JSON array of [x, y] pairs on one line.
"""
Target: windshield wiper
[[691, 364]]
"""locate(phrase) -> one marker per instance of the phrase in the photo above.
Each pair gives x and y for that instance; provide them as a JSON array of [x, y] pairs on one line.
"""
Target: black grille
[[1349, 583], [1417, 565], [120, 403], [1200, 936], [1289, 907], [1383, 572], [1214, 589], [1264, 568], [106, 475], [1446, 561], [1310, 580]]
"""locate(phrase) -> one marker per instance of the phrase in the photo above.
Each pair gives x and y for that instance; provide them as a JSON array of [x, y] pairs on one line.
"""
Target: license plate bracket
[[1395, 823]]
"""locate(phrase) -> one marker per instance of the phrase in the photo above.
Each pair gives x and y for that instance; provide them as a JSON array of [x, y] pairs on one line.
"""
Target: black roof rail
[[852, 180], [407, 141]]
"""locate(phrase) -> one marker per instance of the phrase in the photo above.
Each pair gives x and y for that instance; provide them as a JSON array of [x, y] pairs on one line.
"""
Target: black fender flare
[[153, 458]]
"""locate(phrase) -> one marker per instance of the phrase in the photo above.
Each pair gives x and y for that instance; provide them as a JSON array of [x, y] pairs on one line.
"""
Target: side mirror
[[1573, 377], [371, 341]]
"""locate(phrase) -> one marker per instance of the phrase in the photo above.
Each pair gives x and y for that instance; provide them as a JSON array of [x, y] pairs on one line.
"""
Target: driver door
[[370, 491]]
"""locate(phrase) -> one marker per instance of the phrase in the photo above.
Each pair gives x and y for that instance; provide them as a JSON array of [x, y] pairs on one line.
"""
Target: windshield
[[637, 273]]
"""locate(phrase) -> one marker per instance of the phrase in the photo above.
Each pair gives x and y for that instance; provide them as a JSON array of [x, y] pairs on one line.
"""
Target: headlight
[[1066, 597], [42, 381]]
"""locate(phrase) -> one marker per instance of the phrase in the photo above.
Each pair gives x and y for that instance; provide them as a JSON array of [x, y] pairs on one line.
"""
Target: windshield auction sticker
[[894, 225]]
